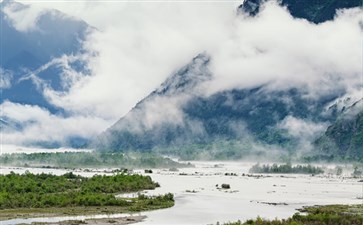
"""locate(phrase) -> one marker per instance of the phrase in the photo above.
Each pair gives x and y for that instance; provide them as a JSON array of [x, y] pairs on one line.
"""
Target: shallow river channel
[[200, 200]]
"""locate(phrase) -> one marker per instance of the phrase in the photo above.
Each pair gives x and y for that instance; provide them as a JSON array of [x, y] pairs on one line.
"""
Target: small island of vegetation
[[315, 215], [47, 194], [286, 168]]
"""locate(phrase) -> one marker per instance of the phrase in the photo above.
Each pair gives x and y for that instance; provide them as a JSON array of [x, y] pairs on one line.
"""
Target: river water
[[199, 201]]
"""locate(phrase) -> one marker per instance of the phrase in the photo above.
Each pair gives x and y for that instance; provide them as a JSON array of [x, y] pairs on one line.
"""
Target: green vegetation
[[235, 126], [339, 171], [357, 172], [89, 160], [316, 215], [286, 168], [343, 140], [70, 190], [236, 117]]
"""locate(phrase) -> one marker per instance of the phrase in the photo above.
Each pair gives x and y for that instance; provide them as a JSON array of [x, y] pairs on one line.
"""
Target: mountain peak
[[187, 77], [251, 7], [313, 11]]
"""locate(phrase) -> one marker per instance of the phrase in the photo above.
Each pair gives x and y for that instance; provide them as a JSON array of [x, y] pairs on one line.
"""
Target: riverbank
[[42, 195], [112, 215], [315, 215], [23, 213], [198, 200], [105, 221]]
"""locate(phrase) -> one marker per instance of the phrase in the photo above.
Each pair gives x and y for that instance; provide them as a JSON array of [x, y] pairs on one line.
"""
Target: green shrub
[[46, 190]]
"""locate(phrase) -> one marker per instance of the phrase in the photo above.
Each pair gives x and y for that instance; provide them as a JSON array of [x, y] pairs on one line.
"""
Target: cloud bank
[[286, 52], [146, 42], [38, 125], [139, 44]]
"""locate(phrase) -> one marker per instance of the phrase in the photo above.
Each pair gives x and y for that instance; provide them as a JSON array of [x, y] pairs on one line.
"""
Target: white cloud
[[23, 17], [275, 48], [68, 75], [38, 124], [5, 78], [304, 130], [140, 44]]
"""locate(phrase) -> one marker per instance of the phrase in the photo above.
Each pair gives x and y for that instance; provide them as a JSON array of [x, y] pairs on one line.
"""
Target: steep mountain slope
[[179, 117], [316, 11], [344, 138], [158, 119], [177, 114], [25, 51]]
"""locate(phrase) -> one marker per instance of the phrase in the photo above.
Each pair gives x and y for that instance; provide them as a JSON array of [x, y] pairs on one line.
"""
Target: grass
[[315, 215]]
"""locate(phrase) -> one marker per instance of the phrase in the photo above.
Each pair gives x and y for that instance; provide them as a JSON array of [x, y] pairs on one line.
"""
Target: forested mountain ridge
[[344, 138], [315, 11], [179, 116]]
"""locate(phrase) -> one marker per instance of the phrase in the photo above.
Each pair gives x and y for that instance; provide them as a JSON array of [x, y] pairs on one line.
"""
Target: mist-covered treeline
[[89, 160]]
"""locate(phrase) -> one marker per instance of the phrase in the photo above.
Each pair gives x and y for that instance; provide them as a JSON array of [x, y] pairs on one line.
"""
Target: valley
[[198, 194], [181, 112]]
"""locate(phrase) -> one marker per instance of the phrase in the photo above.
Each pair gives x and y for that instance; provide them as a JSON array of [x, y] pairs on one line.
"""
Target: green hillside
[[343, 139]]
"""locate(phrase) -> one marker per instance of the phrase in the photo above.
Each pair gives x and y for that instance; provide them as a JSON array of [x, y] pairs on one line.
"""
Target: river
[[198, 199]]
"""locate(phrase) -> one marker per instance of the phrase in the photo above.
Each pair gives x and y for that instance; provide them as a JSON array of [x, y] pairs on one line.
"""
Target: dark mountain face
[[176, 114], [344, 138], [259, 110], [25, 51], [316, 11], [158, 120], [179, 116]]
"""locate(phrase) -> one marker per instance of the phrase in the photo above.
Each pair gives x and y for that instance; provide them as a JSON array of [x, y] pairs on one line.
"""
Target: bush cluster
[[47, 190], [317, 215], [286, 168]]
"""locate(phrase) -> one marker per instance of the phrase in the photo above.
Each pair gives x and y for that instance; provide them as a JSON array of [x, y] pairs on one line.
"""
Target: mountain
[[157, 119], [177, 114], [344, 138], [316, 11], [27, 54], [178, 118]]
